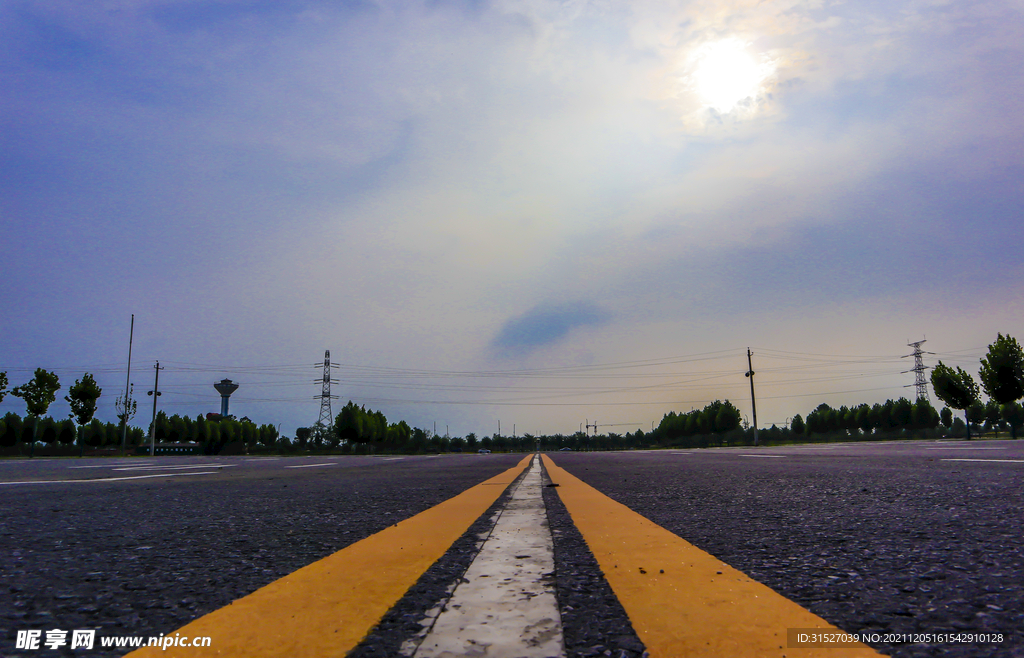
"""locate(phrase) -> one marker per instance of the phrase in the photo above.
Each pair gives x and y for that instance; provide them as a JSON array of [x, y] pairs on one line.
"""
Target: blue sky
[[467, 202]]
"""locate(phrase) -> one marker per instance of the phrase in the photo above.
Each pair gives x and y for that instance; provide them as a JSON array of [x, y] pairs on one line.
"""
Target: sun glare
[[725, 74]]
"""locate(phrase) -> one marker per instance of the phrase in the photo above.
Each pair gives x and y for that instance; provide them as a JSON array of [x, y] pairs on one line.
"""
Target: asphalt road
[[145, 556], [892, 538], [905, 538]]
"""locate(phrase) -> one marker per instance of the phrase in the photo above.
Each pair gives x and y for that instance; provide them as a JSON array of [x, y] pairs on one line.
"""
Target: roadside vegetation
[[358, 430]]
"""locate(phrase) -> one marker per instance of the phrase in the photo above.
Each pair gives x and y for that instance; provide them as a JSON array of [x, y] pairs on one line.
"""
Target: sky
[[527, 212]]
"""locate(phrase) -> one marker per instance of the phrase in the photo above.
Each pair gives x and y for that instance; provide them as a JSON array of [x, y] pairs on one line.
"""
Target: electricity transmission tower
[[326, 420], [919, 369]]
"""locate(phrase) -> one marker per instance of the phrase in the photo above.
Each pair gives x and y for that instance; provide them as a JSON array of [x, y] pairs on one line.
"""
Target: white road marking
[[505, 605], [173, 468], [965, 459], [126, 477], [768, 456], [311, 465], [964, 448], [391, 459]]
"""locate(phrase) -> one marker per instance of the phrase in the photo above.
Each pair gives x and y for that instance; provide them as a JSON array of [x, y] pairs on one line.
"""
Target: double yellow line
[[680, 600]]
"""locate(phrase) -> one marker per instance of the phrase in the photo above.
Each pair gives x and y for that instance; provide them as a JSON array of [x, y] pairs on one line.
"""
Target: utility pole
[[127, 386], [594, 426], [753, 406], [920, 382], [155, 393]]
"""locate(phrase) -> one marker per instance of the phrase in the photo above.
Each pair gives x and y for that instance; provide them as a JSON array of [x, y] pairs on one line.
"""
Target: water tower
[[225, 387]]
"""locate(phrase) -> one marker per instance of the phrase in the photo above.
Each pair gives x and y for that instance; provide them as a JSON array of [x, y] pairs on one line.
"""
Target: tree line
[[1002, 378], [358, 429], [81, 428]]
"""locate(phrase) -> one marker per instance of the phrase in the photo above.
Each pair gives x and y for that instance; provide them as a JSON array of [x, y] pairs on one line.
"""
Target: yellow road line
[[325, 609], [688, 603]]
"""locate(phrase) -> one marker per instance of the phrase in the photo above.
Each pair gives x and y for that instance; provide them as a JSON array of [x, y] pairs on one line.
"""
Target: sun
[[725, 74]]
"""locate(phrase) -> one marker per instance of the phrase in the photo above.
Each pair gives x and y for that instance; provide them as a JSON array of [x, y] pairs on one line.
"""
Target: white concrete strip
[[173, 468], [964, 459], [505, 605], [312, 465], [126, 477], [768, 456]]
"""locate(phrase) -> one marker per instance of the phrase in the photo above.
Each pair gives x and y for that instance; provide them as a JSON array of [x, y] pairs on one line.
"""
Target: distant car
[[484, 451], [565, 450]]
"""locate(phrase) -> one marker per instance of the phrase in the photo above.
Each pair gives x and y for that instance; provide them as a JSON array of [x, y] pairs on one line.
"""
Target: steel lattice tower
[[920, 382], [326, 420]]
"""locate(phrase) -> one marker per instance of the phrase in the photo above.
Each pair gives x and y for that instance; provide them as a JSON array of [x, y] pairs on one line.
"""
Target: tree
[[213, 442], [818, 421], [1013, 414], [268, 435], [946, 416], [178, 431], [993, 416], [38, 394], [1002, 373], [797, 425], [200, 433], [95, 433], [12, 431], [419, 439], [3, 386], [902, 414], [924, 415], [126, 408], [249, 434], [726, 416], [863, 418], [161, 428], [399, 433], [113, 435], [956, 388], [976, 412], [348, 424], [82, 397], [302, 436], [67, 432], [47, 430]]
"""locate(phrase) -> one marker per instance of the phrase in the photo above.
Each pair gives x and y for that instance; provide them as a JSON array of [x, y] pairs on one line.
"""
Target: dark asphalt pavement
[[145, 556], [895, 538], [872, 537]]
